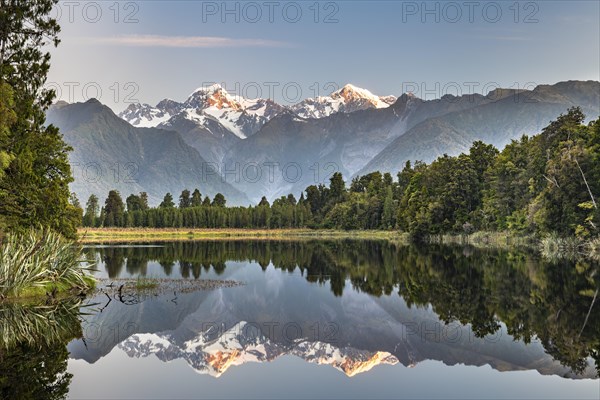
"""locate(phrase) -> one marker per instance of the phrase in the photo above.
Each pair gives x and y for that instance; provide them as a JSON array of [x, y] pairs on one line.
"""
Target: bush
[[40, 261]]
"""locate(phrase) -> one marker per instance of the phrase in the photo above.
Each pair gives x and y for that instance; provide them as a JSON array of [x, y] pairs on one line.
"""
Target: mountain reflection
[[481, 293]]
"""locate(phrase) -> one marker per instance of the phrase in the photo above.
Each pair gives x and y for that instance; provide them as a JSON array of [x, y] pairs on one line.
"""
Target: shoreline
[[104, 235], [551, 246]]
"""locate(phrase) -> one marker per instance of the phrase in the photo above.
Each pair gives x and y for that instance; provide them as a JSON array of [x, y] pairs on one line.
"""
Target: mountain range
[[211, 120], [109, 153], [238, 346], [259, 147]]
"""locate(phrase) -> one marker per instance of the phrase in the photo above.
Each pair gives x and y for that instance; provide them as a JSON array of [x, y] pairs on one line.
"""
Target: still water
[[312, 319]]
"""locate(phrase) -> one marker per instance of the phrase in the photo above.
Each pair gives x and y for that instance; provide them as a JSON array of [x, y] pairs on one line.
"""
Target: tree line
[[544, 183]]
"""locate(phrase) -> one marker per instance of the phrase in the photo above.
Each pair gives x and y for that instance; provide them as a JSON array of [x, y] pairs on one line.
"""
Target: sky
[[145, 51]]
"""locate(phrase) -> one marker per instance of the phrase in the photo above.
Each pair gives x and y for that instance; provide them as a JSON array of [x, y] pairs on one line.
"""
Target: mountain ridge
[[288, 152], [109, 153], [498, 122]]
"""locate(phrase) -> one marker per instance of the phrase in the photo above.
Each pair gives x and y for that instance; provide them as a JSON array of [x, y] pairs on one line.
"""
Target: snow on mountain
[[242, 117], [146, 116], [240, 345], [347, 99]]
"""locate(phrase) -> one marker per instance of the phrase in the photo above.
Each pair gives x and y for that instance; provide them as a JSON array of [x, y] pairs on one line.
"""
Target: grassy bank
[[102, 235], [550, 246], [41, 263]]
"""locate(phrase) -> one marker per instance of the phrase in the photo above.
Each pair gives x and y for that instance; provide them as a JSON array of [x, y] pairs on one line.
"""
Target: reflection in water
[[479, 288], [352, 305], [33, 352]]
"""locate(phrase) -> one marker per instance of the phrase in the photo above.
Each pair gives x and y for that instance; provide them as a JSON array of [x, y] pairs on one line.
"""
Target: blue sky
[[149, 50]]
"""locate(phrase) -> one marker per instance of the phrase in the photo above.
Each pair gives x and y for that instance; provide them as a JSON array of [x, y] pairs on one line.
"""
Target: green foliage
[[40, 262], [219, 200], [185, 199], [196, 198], [7, 119], [114, 210], [167, 201], [39, 325], [145, 283], [547, 183], [35, 187]]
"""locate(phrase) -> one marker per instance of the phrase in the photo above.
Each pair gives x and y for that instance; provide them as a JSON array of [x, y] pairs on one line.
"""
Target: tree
[[167, 201], [7, 119], [337, 187], [77, 210], [144, 201], [134, 203], [536, 184], [35, 188], [184, 199], [196, 198], [564, 203], [219, 200], [91, 211], [387, 220], [313, 197], [114, 210], [74, 201], [101, 218], [264, 202], [291, 199]]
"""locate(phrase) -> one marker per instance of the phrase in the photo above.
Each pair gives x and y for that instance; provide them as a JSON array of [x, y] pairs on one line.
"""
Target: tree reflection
[[33, 352], [548, 300]]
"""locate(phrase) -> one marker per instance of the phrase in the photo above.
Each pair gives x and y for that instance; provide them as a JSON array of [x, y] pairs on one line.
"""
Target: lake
[[312, 319]]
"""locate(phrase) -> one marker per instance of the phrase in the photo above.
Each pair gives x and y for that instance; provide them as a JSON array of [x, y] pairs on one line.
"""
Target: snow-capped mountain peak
[[348, 99], [205, 107], [243, 117], [146, 116], [207, 89], [212, 96], [352, 93], [239, 345]]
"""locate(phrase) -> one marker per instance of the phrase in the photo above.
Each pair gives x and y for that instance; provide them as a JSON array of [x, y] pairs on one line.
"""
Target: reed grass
[[555, 247], [41, 262], [39, 324], [144, 283]]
